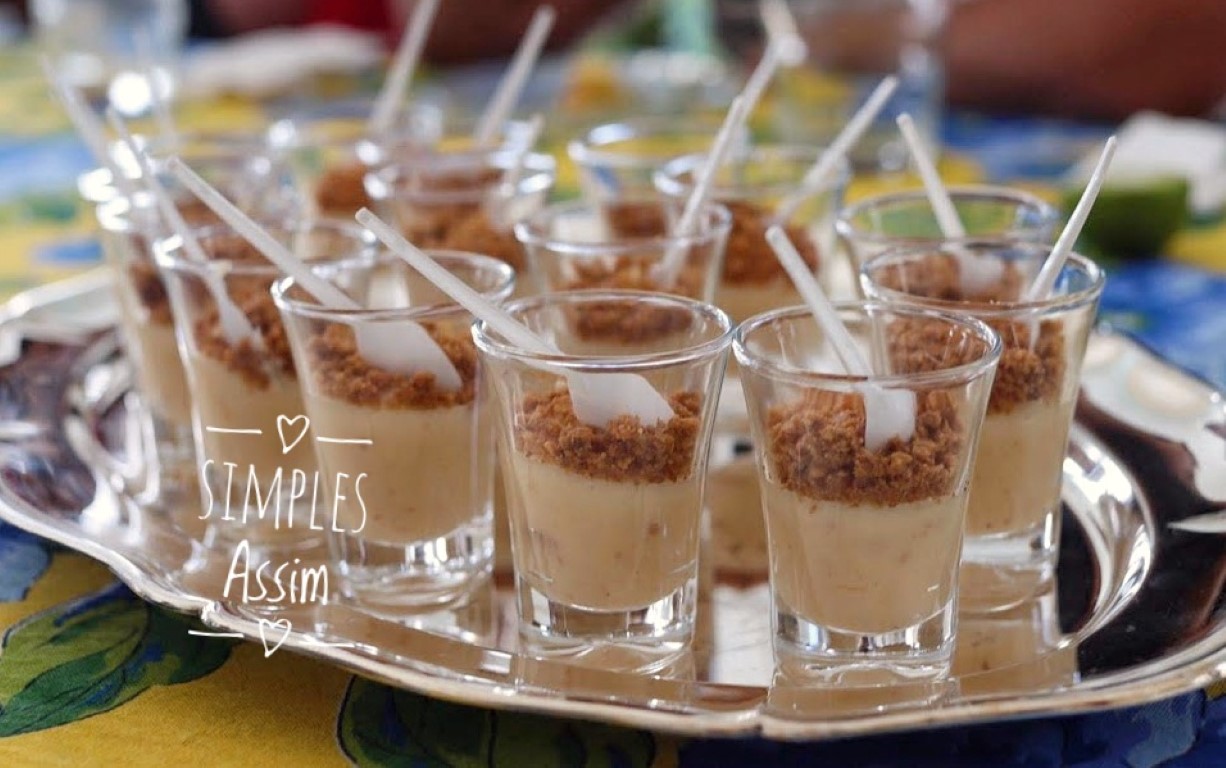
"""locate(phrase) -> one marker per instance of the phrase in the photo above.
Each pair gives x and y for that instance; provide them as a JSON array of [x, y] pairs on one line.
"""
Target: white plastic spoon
[[512, 85], [400, 347], [781, 30], [977, 272], [234, 323], [598, 398], [408, 53], [888, 412], [504, 197]]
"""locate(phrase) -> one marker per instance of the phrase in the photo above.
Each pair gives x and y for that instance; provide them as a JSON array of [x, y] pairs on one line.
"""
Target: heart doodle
[[283, 422], [265, 625]]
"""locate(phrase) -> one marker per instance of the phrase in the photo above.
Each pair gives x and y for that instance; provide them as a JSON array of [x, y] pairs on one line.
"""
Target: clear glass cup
[[330, 152], [752, 185], [258, 475], [605, 518], [464, 200], [127, 233], [618, 159], [417, 528], [618, 244], [1013, 521], [876, 224], [864, 522]]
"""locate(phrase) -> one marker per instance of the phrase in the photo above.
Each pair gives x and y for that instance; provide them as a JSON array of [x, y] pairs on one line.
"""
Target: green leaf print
[[92, 654], [382, 726]]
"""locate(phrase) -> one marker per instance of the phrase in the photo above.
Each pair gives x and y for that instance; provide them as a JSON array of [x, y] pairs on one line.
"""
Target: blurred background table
[[91, 675]]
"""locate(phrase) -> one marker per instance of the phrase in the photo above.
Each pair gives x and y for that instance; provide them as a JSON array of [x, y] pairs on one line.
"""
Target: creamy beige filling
[[426, 472], [863, 568], [224, 400], [1018, 469], [598, 544], [161, 376]]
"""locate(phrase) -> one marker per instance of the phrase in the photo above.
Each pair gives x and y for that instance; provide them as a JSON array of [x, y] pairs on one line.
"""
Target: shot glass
[[416, 455], [128, 230], [877, 224], [465, 200], [864, 525], [330, 152], [256, 467], [752, 186], [605, 517], [618, 159], [625, 244], [1013, 521]]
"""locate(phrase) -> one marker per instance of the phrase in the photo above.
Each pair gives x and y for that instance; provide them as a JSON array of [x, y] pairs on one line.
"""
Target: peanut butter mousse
[[1018, 470], [242, 386], [863, 541], [424, 464], [603, 518], [464, 225], [149, 325], [753, 280]]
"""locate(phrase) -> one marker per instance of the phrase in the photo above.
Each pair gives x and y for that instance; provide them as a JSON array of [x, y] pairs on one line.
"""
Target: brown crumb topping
[[476, 233], [251, 295], [150, 291], [817, 450], [1024, 374], [629, 220], [342, 189], [340, 372], [748, 258], [625, 450]]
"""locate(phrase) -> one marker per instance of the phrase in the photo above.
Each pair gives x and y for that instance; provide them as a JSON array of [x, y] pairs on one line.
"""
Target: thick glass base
[[391, 580], [923, 651], [1002, 571], [646, 639]]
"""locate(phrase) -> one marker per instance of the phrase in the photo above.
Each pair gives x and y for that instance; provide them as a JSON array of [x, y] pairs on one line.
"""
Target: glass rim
[[961, 373], [306, 129], [666, 177], [487, 343], [591, 149], [844, 227], [316, 311], [115, 214], [715, 221], [1005, 309], [385, 182], [168, 250]]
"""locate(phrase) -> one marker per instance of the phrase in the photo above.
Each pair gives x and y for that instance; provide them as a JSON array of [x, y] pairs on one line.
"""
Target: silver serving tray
[[1137, 613]]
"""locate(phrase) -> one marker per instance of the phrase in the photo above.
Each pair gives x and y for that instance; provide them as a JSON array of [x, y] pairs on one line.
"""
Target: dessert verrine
[[407, 457], [752, 185], [605, 515], [864, 521], [625, 244], [258, 473], [465, 199], [1013, 521]]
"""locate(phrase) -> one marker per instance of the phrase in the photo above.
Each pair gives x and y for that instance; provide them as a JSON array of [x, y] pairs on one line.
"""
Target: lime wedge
[[1133, 219]]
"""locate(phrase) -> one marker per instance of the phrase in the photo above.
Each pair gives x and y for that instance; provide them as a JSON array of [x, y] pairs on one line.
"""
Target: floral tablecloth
[[90, 675]]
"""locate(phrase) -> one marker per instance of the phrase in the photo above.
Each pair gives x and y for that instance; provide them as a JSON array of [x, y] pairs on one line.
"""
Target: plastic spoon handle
[[512, 85], [408, 53], [838, 149], [938, 196], [1046, 279]]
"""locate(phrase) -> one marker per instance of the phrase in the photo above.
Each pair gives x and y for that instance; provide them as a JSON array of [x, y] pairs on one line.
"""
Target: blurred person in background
[[1082, 58]]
